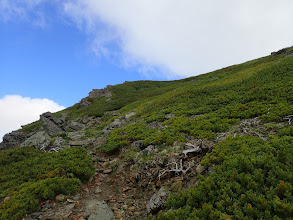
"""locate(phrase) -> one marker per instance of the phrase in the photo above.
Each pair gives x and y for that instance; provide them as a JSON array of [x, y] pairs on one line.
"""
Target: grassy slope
[[259, 88]]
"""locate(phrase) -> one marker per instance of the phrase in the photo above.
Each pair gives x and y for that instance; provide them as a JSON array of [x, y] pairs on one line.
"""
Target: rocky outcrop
[[13, 139], [286, 51], [39, 140], [118, 122], [51, 125], [95, 93], [59, 143]]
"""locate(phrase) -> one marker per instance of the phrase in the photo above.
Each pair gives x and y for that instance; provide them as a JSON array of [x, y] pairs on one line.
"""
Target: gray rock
[[157, 200], [76, 135], [138, 144], [60, 143], [168, 116], [13, 139], [39, 140], [51, 125], [74, 125], [83, 143], [129, 115], [84, 103], [200, 169], [96, 93], [97, 210], [149, 150]]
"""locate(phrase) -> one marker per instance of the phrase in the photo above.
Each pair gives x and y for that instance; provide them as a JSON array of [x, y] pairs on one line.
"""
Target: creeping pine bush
[[29, 177], [253, 179]]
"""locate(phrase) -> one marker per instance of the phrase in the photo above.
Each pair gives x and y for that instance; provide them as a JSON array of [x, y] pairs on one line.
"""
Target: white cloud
[[16, 110], [171, 38], [186, 37], [24, 11]]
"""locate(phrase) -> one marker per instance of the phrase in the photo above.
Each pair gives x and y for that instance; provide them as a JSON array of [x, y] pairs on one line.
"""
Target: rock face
[[98, 210], [157, 200], [59, 143], [51, 125], [95, 93], [38, 140], [13, 139]]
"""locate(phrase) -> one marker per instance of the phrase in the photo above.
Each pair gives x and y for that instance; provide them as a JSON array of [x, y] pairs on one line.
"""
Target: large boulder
[[157, 200], [97, 210], [51, 125], [96, 93], [59, 143], [13, 139], [39, 140]]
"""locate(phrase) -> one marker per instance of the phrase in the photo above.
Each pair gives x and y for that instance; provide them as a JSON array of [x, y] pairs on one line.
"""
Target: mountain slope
[[235, 121]]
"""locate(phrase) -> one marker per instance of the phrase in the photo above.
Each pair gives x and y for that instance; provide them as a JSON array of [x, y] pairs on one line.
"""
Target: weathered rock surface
[[73, 125], [95, 93], [76, 135], [118, 122], [157, 200], [84, 143], [39, 140], [13, 139], [51, 124], [59, 143], [97, 210]]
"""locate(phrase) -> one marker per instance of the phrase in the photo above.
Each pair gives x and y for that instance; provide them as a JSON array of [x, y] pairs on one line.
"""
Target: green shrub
[[28, 177]]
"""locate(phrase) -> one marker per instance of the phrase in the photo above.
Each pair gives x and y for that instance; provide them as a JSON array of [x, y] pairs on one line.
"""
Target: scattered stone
[[98, 191], [199, 169], [149, 150], [105, 164], [97, 210], [169, 116], [60, 198], [129, 115], [126, 188], [138, 144], [70, 201], [78, 217], [77, 196], [131, 209], [157, 200], [176, 186], [114, 208], [108, 171]]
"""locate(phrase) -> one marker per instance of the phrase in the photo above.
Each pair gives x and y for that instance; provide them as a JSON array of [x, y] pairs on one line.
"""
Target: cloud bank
[[172, 38], [188, 37], [16, 110]]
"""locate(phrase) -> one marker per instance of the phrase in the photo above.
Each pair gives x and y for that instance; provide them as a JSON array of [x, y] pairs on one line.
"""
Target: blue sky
[[54, 61], [53, 53]]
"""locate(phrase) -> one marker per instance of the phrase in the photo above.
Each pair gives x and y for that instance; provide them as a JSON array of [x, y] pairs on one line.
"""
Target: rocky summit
[[214, 146]]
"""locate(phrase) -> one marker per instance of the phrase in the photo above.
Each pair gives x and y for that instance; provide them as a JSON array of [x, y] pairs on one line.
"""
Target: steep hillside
[[215, 146]]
